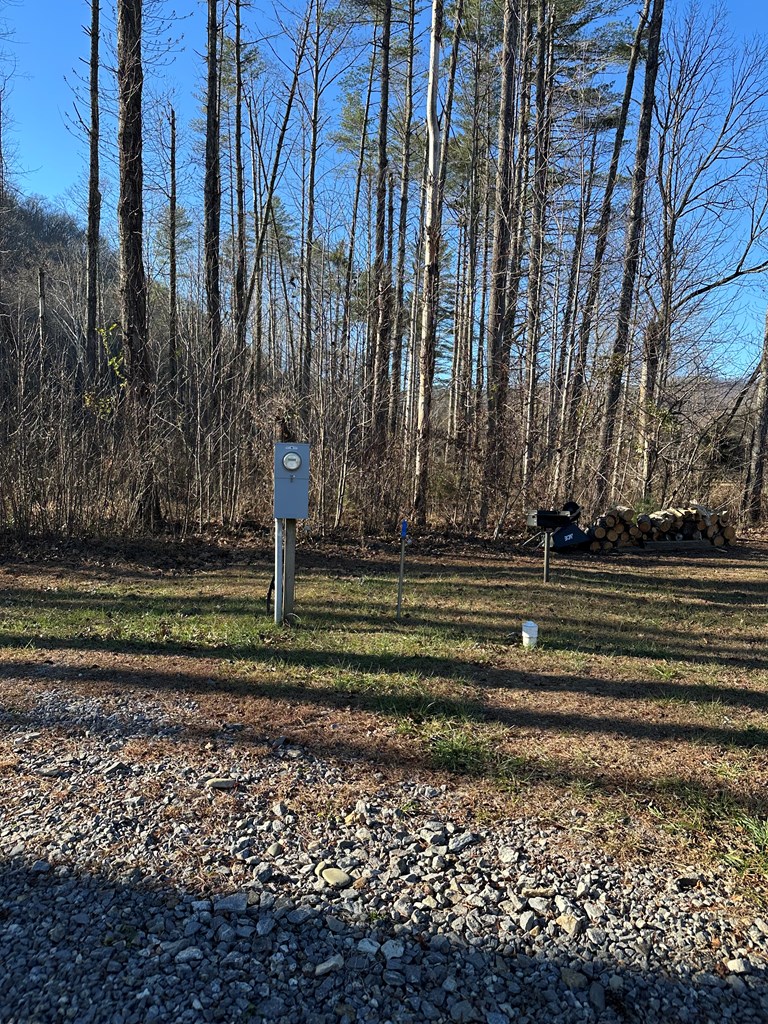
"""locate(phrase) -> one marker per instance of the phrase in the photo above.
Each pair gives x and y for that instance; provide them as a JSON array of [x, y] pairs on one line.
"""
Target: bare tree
[[133, 283], [402, 229], [541, 159], [710, 226], [382, 272], [94, 199], [755, 482], [631, 254], [212, 195], [431, 270], [498, 368], [437, 156]]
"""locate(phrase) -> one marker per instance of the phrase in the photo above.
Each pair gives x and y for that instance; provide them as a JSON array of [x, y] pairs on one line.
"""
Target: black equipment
[[547, 519], [559, 529], [568, 537]]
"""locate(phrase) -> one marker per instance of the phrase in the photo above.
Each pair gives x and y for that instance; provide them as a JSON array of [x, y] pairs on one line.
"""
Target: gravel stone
[[597, 996], [738, 966], [457, 844], [333, 963], [540, 904], [393, 949], [528, 921], [189, 955], [222, 784], [573, 980], [336, 877], [463, 1012], [237, 903]]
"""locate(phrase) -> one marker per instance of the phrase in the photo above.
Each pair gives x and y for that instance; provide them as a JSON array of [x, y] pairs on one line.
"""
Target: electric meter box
[[291, 481]]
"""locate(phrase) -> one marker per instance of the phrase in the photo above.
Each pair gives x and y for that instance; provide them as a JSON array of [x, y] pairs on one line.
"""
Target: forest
[[483, 257]]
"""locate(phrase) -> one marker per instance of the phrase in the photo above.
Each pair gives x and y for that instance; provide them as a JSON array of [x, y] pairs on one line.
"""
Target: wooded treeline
[[482, 256]]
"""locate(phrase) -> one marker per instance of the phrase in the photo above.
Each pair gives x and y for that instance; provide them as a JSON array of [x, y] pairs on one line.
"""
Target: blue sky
[[50, 47]]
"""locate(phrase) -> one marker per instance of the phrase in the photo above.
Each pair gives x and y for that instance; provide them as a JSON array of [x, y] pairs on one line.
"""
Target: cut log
[[625, 513]]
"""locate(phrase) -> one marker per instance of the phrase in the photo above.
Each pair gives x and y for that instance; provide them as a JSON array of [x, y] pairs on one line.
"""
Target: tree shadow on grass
[[466, 614], [424, 666], [417, 743]]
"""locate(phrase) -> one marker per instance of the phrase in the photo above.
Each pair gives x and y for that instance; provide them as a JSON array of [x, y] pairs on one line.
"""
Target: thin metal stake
[[547, 542], [403, 534]]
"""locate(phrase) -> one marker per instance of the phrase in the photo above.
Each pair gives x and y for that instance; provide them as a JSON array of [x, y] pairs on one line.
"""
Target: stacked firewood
[[620, 528], [616, 528]]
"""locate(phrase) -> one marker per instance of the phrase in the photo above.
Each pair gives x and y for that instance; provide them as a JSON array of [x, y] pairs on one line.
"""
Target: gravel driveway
[[154, 873]]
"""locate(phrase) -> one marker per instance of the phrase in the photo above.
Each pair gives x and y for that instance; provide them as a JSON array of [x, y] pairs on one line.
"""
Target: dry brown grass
[[644, 709]]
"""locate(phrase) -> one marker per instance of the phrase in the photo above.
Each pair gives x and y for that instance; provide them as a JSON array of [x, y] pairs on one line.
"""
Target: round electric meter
[[292, 461]]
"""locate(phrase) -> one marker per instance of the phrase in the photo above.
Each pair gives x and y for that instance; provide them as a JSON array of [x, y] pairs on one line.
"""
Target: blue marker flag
[[404, 528]]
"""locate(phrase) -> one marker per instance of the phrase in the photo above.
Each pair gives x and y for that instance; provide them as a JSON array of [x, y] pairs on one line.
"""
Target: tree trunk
[[631, 256], [754, 497], [541, 144], [212, 203], [431, 280], [173, 305], [647, 406], [133, 282], [241, 317], [601, 243], [402, 228], [42, 317], [94, 203], [382, 278], [346, 329], [498, 372], [309, 237], [130, 210]]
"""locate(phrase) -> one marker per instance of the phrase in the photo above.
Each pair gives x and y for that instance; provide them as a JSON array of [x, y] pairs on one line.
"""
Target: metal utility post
[[289, 566], [547, 546], [279, 608], [291, 503], [403, 536]]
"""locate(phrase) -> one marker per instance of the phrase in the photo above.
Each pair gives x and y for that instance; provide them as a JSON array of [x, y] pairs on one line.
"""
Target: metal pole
[[547, 542], [403, 533], [290, 566], [279, 572]]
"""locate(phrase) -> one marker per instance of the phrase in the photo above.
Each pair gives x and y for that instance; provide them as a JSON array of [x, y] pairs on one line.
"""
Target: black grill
[[549, 519]]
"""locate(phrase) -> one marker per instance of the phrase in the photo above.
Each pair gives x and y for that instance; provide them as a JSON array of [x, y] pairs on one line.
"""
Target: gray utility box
[[291, 481]]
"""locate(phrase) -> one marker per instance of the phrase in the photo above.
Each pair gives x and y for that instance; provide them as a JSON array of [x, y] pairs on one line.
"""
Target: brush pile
[[691, 526]]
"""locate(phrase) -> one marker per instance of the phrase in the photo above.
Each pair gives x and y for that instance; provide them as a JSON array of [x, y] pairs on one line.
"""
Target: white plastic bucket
[[530, 634]]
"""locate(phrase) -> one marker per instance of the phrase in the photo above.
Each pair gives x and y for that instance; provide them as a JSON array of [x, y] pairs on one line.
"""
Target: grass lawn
[[641, 718]]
